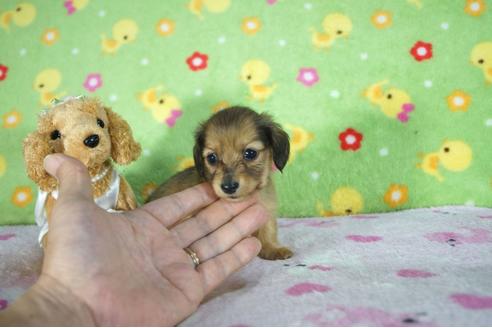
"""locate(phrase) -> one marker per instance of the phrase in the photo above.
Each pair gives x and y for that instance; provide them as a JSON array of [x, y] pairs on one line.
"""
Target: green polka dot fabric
[[388, 103]]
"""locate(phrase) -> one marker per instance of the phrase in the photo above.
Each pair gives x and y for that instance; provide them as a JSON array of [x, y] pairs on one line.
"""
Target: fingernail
[[52, 162]]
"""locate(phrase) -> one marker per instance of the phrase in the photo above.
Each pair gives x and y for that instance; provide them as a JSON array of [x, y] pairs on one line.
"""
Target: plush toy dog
[[82, 128], [235, 151]]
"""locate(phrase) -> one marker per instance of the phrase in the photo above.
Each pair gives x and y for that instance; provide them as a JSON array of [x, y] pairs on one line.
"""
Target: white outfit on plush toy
[[107, 201]]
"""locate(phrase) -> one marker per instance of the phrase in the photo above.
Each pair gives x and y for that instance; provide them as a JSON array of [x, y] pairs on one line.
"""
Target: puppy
[[235, 151], [82, 128]]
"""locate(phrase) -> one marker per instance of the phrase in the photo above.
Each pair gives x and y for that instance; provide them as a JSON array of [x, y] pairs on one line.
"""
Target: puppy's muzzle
[[92, 141], [229, 187]]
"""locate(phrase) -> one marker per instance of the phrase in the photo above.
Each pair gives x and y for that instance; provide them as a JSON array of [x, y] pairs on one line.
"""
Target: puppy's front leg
[[270, 248], [126, 197]]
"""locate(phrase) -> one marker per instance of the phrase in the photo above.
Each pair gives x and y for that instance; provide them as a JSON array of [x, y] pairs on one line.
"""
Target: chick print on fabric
[[387, 103]]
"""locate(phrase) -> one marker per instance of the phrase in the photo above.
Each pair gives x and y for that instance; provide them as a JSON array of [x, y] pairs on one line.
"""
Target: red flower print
[[421, 51], [350, 139], [3, 72], [197, 61]]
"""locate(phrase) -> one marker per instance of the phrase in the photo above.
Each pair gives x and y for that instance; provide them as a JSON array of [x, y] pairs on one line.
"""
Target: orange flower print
[[11, 119], [381, 19], [220, 106], [148, 189], [251, 25], [475, 7], [50, 36], [165, 27], [396, 195], [459, 101], [22, 196]]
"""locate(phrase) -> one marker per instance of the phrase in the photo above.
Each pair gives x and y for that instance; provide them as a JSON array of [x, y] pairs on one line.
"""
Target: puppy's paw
[[275, 253]]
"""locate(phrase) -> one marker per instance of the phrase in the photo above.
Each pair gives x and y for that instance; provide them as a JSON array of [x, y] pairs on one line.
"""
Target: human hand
[[128, 268]]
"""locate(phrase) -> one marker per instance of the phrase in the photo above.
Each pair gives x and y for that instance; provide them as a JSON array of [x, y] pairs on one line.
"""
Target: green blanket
[[388, 103]]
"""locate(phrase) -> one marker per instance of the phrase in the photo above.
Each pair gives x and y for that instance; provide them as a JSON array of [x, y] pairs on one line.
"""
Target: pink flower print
[[412, 273], [7, 236], [93, 82], [472, 302], [69, 6], [406, 109], [308, 76], [364, 239], [175, 114], [271, 2], [306, 288]]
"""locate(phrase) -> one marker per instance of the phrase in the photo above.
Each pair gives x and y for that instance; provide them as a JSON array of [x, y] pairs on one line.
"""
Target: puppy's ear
[[279, 141], [124, 149], [198, 151], [36, 147]]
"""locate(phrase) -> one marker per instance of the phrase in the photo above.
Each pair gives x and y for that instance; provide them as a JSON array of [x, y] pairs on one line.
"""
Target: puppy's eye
[[481, 61], [100, 123], [250, 154], [212, 159], [55, 135], [389, 96]]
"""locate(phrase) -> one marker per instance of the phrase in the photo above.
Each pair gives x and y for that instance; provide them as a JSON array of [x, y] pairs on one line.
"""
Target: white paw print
[[383, 152]]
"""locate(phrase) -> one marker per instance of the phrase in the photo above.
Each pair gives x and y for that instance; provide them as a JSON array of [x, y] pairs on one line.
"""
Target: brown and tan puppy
[[235, 151], [82, 128]]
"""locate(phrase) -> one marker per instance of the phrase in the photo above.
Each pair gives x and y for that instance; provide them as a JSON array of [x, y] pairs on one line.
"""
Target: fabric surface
[[387, 102], [423, 267]]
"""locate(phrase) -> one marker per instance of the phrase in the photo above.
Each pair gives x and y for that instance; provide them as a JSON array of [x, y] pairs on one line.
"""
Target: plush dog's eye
[[250, 154], [212, 159], [55, 135], [100, 123]]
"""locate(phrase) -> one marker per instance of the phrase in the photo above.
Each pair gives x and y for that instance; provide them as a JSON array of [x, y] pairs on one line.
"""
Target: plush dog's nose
[[92, 141], [229, 187]]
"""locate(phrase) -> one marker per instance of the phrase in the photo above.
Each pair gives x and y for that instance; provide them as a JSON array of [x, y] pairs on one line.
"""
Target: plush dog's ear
[[198, 151], [279, 141], [36, 147], [124, 149]]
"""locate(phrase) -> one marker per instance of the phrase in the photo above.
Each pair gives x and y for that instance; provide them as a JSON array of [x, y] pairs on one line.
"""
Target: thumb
[[73, 178]]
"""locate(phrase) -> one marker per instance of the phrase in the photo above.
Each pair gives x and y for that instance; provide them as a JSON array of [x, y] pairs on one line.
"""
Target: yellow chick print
[[394, 103], [22, 16], [255, 73], [46, 83], [299, 140], [184, 163], [481, 56], [124, 32], [344, 201], [454, 156], [3, 165], [334, 26], [212, 6], [416, 3], [165, 108]]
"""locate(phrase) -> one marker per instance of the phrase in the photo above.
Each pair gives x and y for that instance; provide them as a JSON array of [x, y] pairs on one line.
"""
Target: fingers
[[169, 210], [208, 220], [245, 224], [73, 178], [217, 269]]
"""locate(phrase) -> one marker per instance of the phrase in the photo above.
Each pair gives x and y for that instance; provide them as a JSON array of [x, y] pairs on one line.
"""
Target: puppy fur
[[235, 151], [75, 120]]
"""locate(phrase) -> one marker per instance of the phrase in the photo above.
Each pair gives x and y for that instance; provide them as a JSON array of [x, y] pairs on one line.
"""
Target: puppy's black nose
[[229, 187], [92, 141]]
